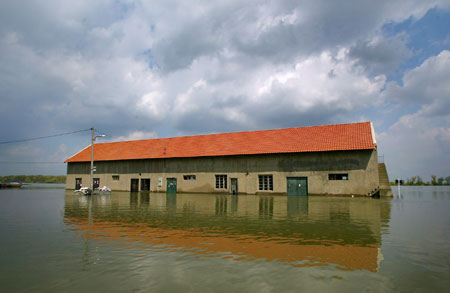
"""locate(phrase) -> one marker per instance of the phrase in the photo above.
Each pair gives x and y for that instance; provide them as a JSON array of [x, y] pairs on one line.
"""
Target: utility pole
[[91, 179]]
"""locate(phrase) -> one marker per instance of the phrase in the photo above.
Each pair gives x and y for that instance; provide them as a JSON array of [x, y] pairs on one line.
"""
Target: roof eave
[[219, 155]]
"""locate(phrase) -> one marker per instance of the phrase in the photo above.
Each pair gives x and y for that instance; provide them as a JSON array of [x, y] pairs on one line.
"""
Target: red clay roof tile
[[340, 137]]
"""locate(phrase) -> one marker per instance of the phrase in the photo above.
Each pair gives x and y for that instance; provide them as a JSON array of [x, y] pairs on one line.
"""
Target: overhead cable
[[14, 162], [43, 137]]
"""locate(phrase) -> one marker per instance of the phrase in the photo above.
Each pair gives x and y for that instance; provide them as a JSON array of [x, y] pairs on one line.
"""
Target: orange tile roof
[[339, 137]]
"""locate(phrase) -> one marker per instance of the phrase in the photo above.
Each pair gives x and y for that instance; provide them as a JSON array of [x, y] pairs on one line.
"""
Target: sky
[[148, 69]]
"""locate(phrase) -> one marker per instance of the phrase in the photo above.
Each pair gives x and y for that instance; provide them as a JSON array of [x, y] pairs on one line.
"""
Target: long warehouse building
[[330, 160]]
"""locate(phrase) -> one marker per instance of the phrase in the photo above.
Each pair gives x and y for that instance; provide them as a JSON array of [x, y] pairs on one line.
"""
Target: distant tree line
[[435, 181], [34, 178]]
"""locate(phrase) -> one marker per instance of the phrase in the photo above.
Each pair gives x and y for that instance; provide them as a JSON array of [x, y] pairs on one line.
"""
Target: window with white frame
[[221, 181], [265, 182]]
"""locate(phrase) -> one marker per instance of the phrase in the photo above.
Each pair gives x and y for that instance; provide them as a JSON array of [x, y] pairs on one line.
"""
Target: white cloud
[[425, 84], [136, 135], [326, 83], [154, 103], [418, 143], [381, 55]]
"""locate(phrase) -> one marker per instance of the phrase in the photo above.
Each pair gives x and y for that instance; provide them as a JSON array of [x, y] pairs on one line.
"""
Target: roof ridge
[[235, 132], [334, 137]]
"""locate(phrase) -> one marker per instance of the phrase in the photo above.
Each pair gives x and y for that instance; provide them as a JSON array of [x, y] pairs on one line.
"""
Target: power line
[[15, 162], [43, 137]]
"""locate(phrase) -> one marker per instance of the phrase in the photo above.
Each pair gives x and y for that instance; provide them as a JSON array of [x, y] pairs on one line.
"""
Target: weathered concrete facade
[[359, 168]]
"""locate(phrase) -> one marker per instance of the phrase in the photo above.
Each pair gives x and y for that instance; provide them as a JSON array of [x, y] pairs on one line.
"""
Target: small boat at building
[[84, 190], [103, 190]]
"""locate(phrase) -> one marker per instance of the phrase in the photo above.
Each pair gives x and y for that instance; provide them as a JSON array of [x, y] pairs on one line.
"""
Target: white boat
[[84, 190], [103, 190]]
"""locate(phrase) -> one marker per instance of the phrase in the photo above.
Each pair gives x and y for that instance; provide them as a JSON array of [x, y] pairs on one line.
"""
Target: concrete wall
[[361, 167]]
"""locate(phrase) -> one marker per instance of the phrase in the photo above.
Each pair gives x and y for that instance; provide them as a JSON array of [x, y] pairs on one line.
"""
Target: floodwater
[[53, 240]]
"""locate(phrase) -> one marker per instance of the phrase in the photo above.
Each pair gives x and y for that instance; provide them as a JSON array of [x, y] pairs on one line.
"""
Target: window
[[221, 181], [115, 177], [189, 177], [265, 182], [337, 176]]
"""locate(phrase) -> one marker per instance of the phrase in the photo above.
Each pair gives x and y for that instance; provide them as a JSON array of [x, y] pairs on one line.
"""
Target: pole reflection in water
[[88, 202], [298, 231]]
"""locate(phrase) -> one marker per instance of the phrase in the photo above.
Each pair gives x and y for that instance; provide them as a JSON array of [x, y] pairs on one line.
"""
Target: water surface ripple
[[55, 240]]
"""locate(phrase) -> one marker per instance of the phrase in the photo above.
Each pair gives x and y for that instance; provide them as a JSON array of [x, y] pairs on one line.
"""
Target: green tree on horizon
[[418, 181], [57, 179]]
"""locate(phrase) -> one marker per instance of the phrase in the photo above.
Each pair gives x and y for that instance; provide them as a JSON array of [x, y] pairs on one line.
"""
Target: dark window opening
[[337, 176], [96, 183], [221, 181], [265, 182], [189, 177], [115, 177]]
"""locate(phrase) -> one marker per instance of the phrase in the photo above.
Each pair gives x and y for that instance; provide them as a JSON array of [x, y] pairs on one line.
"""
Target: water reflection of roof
[[238, 247]]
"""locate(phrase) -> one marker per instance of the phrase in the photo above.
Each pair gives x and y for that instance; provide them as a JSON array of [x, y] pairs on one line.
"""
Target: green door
[[171, 185], [297, 186]]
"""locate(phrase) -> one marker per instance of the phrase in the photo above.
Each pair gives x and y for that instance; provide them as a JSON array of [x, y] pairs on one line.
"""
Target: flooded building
[[334, 159]]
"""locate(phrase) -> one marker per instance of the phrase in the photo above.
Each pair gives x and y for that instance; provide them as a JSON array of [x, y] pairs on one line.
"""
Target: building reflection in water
[[300, 231], [145, 198], [221, 204], [265, 207], [134, 199], [171, 202], [297, 206]]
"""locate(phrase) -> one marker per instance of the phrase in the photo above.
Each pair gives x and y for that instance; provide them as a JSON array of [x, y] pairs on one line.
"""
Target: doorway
[[171, 185], [297, 186], [77, 183], [234, 186], [96, 183], [145, 184], [134, 187]]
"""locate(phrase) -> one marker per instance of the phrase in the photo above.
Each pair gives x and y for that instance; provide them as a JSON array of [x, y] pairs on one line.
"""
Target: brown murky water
[[53, 240]]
